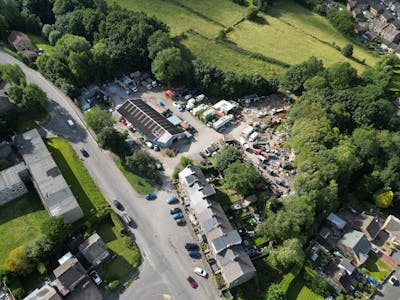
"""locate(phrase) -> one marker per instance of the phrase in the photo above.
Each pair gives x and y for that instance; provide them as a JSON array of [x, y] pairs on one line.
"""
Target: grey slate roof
[[225, 241], [357, 241], [69, 275], [94, 249]]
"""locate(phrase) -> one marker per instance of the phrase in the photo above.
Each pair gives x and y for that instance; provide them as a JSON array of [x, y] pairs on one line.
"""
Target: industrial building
[[150, 123]]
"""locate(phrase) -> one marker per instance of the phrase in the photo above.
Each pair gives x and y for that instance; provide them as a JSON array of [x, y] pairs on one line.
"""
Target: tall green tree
[[13, 74], [169, 65], [56, 229], [286, 255], [98, 118], [241, 177], [110, 139], [226, 156], [157, 42]]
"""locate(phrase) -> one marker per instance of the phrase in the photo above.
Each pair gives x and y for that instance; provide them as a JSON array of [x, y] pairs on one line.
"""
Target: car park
[[200, 272], [172, 200], [181, 222], [118, 205], [192, 282], [192, 246], [151, 196], [96, 278], [177, 216], [84, 152]]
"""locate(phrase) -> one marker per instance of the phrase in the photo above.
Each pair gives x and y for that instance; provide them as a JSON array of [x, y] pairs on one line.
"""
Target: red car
[[192, 282], [123, 121]]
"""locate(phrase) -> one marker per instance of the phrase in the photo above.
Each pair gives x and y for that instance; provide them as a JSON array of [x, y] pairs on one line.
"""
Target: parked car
[[128, 219], [194, 253], [181, 222], [70, 123], [84, 152], [149, 144], [172, 200], [118, 205], [200, 272], [177, 216], [96, 278], [393, 280], [175, 210], [156, 148], [192, 282], [151, 196], [192, 246], [132, 129]]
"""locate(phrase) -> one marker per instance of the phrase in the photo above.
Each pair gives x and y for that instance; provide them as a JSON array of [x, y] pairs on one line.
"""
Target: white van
[[253, 136], [70, 123]]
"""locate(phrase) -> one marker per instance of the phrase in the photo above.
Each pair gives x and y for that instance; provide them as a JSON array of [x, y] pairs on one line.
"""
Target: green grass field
[[141, 185], [126, 260], [289, 33], [20, 222], [377, 268], [76, 175]]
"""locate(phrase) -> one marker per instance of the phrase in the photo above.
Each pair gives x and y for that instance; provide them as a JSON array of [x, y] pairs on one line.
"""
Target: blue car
[[177, 216], [194, 254], [151, 196], [172, 200]]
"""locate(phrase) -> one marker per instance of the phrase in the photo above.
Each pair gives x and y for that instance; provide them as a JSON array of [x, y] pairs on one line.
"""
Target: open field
[[289, 33], [377, 268], [20, 222], [292, 34], [76, 175]]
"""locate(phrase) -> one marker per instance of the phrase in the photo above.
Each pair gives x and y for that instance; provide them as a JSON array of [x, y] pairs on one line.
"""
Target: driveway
[[166, 265], [389, 291]]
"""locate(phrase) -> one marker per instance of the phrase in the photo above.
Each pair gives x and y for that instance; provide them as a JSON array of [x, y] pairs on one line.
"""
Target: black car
[[181, 222], [84, 153], [175, 210], [118, 205], [192, 246]]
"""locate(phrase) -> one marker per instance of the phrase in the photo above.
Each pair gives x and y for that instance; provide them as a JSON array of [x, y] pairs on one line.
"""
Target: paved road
[[389, 291], [166, 265]]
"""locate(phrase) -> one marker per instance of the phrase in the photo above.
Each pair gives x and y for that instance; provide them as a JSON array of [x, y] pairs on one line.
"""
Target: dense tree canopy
[[286, 255], [226, 156], [169, 65], [56, 229], [241, 177], [18, 262], [98, 118], [110, 139]]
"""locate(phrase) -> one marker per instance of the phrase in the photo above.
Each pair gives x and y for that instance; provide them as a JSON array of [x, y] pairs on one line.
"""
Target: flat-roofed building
[[12, 183], [51, 186]]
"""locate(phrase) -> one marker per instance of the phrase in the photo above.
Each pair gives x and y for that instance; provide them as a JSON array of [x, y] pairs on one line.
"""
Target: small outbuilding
[[94, 250]]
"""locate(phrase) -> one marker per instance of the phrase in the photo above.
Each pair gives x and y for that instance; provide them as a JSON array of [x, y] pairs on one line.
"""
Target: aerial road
[[166, 264]]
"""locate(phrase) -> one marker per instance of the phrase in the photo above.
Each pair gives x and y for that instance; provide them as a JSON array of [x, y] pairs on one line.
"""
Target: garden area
[[123, 246], [20, 219], [78, 178], [377, 268]]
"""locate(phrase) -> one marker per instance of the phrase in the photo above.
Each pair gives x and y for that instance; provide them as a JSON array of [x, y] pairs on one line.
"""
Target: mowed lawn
[[20, 222], [377, 268], [292, 33], [76, 175], [299, 291], [228, 59], [40, 42]]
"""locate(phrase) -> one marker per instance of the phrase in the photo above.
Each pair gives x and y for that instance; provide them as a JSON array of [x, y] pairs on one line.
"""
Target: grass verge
[[20, 222], [141, 185], [76, 175], [40, 42]]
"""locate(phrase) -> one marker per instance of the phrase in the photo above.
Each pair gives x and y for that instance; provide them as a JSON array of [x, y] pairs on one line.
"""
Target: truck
[[247, 131]]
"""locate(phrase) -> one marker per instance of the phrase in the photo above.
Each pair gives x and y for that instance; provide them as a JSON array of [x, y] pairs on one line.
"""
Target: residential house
[[376, 9], [363, 4], [387, 3], [367, 224], [225, 242], [357, 13], [386, 31], [386, 17], [94, 250], [355, 246], [351, 4], [46, 292], [69, 274], [12, 183], [21, 42], [336, 220], [392, 227]]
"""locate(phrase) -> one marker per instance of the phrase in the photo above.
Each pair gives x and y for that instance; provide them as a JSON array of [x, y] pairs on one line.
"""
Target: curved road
[[166, 264]]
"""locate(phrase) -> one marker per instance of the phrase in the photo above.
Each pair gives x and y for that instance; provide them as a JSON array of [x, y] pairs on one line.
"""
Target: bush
[[118, 223], [185, 161], [384, 200], [130, 243], [46, 29], [41, 268], [169, 152], [347, 50], [54, 36], [252, 13], [113, 285], [175, 173]]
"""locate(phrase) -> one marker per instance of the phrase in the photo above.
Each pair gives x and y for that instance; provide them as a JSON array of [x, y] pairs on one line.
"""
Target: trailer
[[253, 136], [222, 122], [247, 131]]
